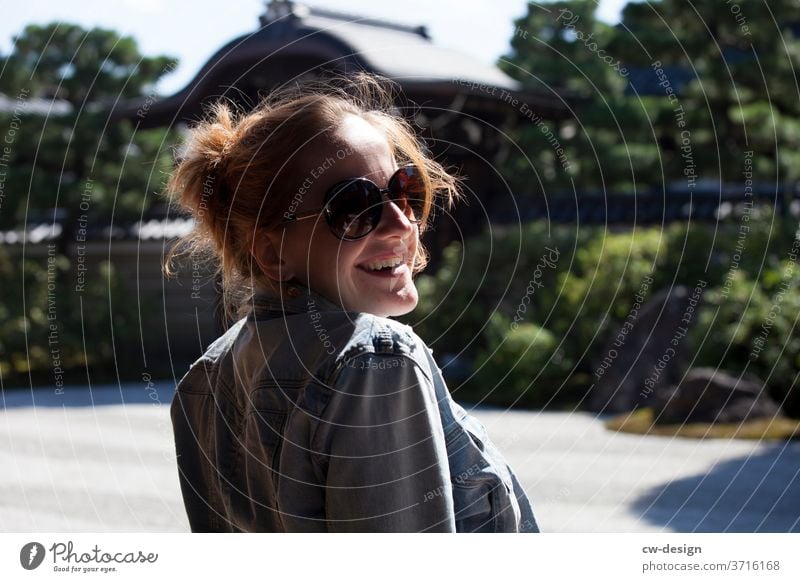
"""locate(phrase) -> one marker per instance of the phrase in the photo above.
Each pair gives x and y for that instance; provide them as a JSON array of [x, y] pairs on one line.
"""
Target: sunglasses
[[353, 207]]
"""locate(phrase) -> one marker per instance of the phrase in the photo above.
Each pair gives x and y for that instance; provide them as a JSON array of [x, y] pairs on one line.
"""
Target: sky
[[193, 30]]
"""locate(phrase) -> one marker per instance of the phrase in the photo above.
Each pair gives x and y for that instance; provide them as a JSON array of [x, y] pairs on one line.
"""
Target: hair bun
[[216, 136], [199, 180]]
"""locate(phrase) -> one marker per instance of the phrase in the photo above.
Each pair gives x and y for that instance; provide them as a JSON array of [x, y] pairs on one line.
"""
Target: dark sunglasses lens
[[407, 190], [354, 209]]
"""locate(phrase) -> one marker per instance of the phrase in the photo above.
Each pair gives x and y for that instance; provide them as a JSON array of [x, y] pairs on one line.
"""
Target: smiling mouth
[[393, 267], [383, 263]]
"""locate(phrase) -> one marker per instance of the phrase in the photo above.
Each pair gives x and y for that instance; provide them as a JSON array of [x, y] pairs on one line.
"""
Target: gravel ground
[[103, 460]]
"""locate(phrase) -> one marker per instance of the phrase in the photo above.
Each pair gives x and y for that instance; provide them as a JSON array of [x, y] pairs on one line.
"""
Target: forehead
[[354, 148], [359, 137]]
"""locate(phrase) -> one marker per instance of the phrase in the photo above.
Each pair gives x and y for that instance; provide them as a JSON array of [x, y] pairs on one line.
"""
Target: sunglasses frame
[[336, 188]]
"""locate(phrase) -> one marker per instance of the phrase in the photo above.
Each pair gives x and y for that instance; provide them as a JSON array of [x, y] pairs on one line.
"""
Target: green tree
[[608, 143], [60, 149], [72, 152], [732, 66], [743, 95]]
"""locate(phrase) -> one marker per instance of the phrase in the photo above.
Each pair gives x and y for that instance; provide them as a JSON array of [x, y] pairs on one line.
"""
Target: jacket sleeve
[[381, 442]]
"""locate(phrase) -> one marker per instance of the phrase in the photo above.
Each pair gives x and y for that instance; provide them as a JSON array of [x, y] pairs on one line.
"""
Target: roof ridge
[[300, 10]]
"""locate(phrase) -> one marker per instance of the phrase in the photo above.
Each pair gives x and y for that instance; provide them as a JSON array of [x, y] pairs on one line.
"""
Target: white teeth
[[375, 265]]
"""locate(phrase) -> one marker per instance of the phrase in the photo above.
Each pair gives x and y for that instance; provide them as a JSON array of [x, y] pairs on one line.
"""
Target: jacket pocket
[[271, 404], [482, 489], [269, 425], [261, 477]]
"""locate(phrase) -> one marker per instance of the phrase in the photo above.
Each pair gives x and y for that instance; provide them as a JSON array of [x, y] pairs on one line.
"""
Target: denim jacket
[[303, 417]]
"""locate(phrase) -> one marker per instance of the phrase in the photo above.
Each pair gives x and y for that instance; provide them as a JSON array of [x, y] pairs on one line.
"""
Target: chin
[[397, 308], [398, 311], [390, 307]]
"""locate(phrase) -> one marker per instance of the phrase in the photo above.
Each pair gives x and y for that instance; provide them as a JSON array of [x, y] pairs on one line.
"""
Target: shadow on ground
[[756, 493]]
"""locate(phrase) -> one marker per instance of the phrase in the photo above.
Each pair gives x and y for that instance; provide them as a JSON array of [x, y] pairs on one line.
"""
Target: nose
[[394, 222]]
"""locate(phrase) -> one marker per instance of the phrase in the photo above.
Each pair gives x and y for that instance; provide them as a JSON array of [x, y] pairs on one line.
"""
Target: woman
[[315, 412]]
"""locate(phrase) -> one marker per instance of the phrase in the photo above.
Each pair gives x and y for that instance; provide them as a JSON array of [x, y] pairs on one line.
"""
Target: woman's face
[[337, 268]]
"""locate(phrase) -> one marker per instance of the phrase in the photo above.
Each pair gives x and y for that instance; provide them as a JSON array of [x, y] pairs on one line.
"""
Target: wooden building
[[461, 104]]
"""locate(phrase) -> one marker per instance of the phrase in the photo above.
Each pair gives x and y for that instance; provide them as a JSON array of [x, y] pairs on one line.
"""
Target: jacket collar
[[294, 298]]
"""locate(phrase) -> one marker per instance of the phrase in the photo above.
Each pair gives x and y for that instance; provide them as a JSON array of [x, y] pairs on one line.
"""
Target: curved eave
[[438, 72], [250, 49]]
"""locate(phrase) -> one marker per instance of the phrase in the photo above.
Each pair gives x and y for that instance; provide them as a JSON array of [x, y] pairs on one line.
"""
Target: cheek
[[330, 256], [312, 251]]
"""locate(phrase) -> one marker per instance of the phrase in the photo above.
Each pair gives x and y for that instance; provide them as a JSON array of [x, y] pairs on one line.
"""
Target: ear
[[265, 251]]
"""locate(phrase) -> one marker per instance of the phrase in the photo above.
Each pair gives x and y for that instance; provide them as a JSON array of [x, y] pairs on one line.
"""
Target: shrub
[[751, 327], [524, 364], [483, 290], [44, 323]]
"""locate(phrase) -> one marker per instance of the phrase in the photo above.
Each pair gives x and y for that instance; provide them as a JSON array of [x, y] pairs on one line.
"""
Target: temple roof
[[296, 41], [402, 53]]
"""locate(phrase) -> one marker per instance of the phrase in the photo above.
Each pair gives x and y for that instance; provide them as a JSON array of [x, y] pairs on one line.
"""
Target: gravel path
[[84, 461]]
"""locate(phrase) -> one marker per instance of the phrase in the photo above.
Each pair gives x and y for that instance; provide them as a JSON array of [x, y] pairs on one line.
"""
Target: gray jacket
[[306, 418]]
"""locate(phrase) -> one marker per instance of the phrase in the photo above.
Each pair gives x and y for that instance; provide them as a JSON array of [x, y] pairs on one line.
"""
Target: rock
[[714, 396], [648, 356]]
